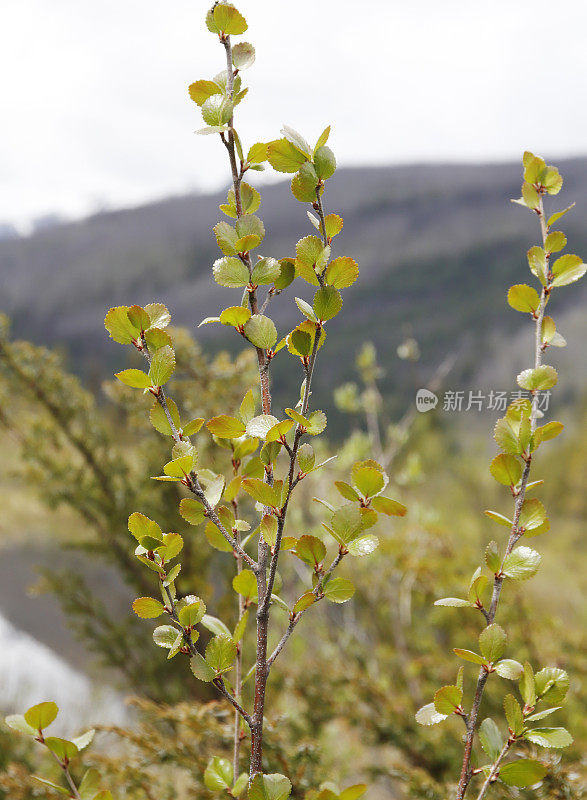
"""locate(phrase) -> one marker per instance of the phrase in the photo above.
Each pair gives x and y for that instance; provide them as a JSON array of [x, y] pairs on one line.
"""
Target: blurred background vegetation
[[438, 246]]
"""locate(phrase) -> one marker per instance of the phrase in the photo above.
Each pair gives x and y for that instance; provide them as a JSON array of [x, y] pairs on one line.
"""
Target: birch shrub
[[518, 436], [242, 510]]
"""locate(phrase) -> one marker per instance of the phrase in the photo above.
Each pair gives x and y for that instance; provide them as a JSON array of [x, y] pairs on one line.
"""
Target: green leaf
[[179, 467], [532, 515], [269, 787], [523, 298], [228, 20], [201, 669], [549, 737], [506, 469], [469, 655], [192, 511], [327, 303], [492, 558], [305, 183], [215, 625], [269, 529], [537, 263], [217, 111], [506, 437], [492, 642], [260, 331], [284, 156], [230, 272], [499, 518], [530, 196], [384, 505], [542, 714], [218, 774], [162, 366], [428, 715], [555, 241], [53, 786], [257, 153], [527, 686], [90, 784], [453, 602], [135, 378], [448, 699], [368, 478], [558, 214], [225, 427], [304, 602], [568, 269], [306, 458], [306, 309], [310, 550], [245, 584], [192, 613], [490, 738], [540, 378], [119, 326], [200, 91], [524, 772], [261, 492], [139, 318], [324, 162], [243, 55], [552, 683], [342, 272], [259, 427], [18, 723], [266, 271], [62, 748], [364, 545], [147, 608], [83, 740], [41, 715], [509, 669], [286, 275], [513, 714], [221, 653], [522, 563], [159, 419], [347, 523], [338, 590], [167, 636], [316, 423], [226, 237]]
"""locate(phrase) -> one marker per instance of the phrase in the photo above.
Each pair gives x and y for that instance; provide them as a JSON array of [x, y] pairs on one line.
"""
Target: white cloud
[[94, 104]]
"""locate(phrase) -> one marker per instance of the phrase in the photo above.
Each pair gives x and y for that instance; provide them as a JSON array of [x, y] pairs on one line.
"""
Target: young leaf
[[540, 378], [506, 469], [492, 642], [225, 427], [162, 366], [260, 331], [510, 669], [428, 715], [448, 699], [549, 737], [522, 563], [147, 608], [523, 298], [490, 738], [245, 584], [135, 378], [41, 715], [338, 590], [269, 787], [218, 774], [342, 272], [521, 773], [230, 272], [221, 653]]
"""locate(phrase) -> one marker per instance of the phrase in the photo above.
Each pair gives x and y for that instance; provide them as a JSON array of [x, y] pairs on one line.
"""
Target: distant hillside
[[437, 245]]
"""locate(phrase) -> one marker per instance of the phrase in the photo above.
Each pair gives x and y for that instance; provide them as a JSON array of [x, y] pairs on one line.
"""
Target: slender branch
[[493, 773], [218, 682], [238, 687], [317, 591], [192, 482], [65, 768], [515, 533]]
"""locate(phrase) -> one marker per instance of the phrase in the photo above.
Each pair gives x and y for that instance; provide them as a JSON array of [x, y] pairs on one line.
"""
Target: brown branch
[[515, 535]]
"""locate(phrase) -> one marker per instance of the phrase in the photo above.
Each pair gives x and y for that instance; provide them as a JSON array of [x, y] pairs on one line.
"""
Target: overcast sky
[[94, 108]]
